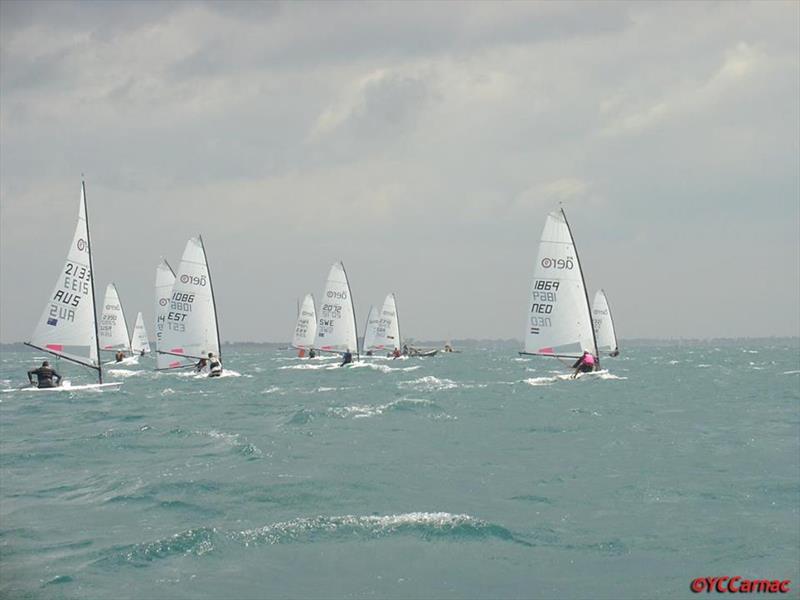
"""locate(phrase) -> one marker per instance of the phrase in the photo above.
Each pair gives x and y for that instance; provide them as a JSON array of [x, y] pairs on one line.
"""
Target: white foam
[[791, 372], [540, 380], [367, 410], [271, 390], [123, 372], [429, 383], [383, 368]]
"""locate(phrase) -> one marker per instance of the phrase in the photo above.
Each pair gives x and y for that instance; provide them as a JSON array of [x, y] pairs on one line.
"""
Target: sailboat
[[113, 328], [387, 329], [68, 325], [140, 345], [559, 319], [191, 329], [336, 321], [604, 325], [305, 328], [371, 331]]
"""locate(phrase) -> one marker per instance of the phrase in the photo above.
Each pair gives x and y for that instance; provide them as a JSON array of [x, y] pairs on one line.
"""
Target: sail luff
[[585, 292], [91, 269], [213, 298]]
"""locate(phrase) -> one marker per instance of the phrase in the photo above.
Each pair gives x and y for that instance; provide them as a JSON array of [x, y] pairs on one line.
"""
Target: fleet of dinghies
[[561, 322]]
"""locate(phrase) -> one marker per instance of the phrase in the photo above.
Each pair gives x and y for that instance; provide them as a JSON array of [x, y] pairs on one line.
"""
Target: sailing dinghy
[[559, 317], [113, 328], [68, 326], [604, 325], [140, 345], [305, 328], [385, 333], [191, 329], [370, 331], [336, 321]]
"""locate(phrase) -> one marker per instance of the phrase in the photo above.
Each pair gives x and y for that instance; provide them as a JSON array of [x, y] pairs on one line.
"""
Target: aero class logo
[[558, 263], [82, 245]]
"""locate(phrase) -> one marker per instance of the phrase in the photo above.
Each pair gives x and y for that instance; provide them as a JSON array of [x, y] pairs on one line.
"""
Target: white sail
[[165, 279], [559, 321], [67, 327], [113, 329], [371, 330], [139, 341], [604, 324], [336, 321], [191, 324], [388, 331], [306, 327]]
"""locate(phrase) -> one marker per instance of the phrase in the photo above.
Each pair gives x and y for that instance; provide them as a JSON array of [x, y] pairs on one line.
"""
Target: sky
[[423, 144]]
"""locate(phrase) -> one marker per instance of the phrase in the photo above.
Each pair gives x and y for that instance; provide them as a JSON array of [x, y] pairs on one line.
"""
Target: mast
[[585, 293], [94, 297], [213, 298], [352, 307]]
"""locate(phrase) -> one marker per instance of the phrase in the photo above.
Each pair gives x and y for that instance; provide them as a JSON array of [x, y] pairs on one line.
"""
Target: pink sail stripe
[[546, 351], [177, 350], [56, 347]]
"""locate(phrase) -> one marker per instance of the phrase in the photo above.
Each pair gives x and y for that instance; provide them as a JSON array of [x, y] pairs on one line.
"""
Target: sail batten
[[559, 319]]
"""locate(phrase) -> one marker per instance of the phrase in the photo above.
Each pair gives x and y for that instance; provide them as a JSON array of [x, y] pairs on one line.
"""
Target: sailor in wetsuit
[[311, 353], [45, 375], [214, 365], [585, 364], [347, 358]]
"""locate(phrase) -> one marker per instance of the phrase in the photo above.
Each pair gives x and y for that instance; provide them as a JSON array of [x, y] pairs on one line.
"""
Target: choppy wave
[[123, 373], [429, 383], [383, 368], [432, 527], [371, 410]]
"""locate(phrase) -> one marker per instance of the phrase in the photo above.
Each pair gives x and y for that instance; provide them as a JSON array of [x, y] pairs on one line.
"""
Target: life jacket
[[588, 359], [215, 366]]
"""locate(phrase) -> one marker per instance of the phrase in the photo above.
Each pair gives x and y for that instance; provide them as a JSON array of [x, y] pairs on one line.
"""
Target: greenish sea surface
[[471, 475]]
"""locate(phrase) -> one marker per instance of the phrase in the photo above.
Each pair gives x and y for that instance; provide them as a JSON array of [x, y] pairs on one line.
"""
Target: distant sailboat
[[139, 342], [305, 328], [371, 331], [191, 329], [604, 325], [113, 328], [385, 334], [68, 325], [336, 321], [559, 318]]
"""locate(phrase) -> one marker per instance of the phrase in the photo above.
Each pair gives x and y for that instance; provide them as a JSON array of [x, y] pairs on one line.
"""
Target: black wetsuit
[[347, 359], [311, 353], [45, 376]]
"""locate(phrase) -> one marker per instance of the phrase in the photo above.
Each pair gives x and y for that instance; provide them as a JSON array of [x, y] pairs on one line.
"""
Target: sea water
[[472, 475]]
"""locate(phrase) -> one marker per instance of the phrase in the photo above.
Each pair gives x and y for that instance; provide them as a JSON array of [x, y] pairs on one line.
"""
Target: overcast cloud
[[421, 143]]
